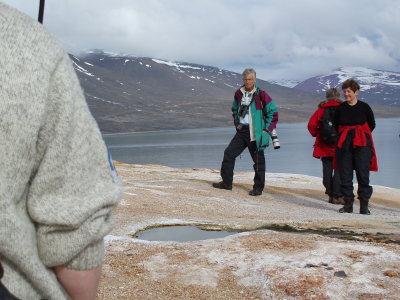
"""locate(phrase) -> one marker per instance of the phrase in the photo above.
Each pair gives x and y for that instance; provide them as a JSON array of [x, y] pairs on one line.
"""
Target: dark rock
[[341, 274]]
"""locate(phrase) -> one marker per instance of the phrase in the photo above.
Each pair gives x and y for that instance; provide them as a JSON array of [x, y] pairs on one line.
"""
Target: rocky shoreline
[[306, 251]]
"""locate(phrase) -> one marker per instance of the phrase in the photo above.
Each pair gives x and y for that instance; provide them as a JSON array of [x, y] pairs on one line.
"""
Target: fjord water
[[203, 148]]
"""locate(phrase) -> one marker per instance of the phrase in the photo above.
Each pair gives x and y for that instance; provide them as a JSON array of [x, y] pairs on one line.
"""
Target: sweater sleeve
[[370, 118], [72, 191], [270, 112]]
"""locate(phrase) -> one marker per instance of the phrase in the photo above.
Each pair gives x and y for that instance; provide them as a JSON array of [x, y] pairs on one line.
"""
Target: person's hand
[[239, 127], [79, 284]]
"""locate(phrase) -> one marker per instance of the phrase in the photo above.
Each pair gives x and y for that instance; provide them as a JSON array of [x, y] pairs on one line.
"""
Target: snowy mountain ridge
[[285, 82], [127, 93], [376, 85]]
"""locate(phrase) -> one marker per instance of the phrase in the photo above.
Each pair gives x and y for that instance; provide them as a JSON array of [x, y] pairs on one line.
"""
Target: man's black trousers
[[357, 159], [241, 141]]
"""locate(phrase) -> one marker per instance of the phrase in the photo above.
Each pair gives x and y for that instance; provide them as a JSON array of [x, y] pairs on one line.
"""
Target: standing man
[[255, 116]]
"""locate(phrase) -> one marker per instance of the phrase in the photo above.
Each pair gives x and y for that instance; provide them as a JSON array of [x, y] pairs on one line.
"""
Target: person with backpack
[[321, 127], [355, 121], [255, 117]]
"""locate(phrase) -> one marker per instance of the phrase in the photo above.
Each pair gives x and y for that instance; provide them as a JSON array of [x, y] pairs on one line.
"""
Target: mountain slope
[[380, 87], [139, 94], [128, 94]]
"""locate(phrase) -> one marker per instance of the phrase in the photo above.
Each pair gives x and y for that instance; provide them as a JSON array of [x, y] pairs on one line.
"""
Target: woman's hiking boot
[[364, 207], [348, 206], [222, 185], [255, 192], [338, 200]]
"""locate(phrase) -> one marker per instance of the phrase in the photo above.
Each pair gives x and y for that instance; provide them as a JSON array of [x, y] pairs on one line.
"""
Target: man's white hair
[[249, 71]]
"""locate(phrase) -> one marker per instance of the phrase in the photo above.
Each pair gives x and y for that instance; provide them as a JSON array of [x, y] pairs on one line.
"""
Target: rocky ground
[[309, 250]]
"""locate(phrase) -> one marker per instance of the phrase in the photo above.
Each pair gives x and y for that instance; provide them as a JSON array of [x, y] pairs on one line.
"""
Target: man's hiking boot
[[222, 185], [255, 192], [346, 209], [348, 206], [330, 199]]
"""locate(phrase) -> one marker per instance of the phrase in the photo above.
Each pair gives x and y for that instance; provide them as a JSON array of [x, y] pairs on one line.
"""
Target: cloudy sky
[[281, 39]]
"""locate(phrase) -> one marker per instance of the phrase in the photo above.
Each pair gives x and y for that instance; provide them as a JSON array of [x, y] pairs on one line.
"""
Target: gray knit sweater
[[56, 188]]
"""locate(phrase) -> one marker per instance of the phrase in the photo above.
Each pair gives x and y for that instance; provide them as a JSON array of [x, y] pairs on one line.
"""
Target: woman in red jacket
[[324, 150]]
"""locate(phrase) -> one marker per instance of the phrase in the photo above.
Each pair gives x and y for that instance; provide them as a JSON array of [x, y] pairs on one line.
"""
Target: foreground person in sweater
[[56, 187], [324, 150], [355, 150]]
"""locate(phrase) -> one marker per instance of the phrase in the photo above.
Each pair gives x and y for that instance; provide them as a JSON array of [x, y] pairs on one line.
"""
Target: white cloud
[[292, 39]]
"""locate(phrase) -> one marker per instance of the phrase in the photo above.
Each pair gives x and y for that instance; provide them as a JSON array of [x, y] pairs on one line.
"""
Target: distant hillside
[[286, 82], [380, 87], [139, 94], [128, 94]]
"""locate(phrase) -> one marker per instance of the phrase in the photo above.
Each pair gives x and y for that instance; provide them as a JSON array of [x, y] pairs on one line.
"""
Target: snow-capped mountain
[[286, 82], [127, 93], [376, 86]]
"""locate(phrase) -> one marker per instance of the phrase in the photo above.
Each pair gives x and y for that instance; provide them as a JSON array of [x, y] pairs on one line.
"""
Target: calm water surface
[[181, 234], [203, 148]]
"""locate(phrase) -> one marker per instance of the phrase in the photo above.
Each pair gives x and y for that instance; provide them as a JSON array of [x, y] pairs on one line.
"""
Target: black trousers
[[239, 142], [330, 178], [357, 159]]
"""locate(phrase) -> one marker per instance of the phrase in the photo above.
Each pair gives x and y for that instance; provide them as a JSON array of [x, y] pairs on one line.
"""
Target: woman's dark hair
[[352, 84]]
